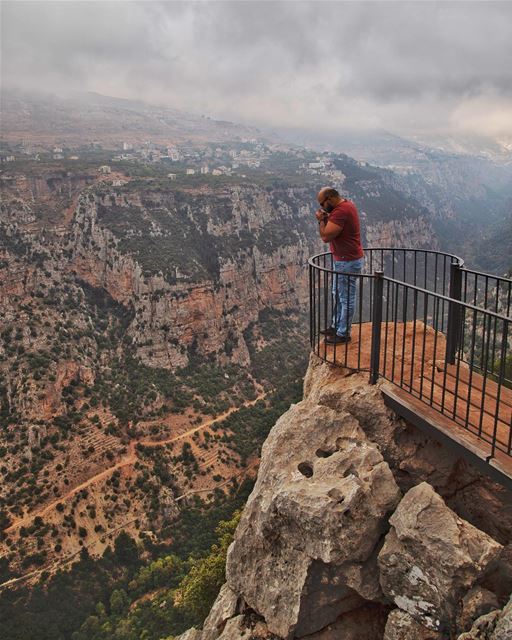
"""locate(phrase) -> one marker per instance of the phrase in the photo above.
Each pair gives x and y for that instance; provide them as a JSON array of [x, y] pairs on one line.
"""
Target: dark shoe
[[336, 339], [331, 331]]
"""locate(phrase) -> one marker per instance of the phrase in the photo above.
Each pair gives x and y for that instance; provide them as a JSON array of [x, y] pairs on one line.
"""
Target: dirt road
[[129, 459]]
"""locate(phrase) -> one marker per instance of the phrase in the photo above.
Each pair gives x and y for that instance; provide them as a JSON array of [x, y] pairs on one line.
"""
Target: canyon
[[131, 313]]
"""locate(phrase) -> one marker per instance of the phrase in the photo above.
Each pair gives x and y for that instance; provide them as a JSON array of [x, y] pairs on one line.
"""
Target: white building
[[171, 176], [190, 172], [316, 165], [205, 169], [104, 169], [127, 146], [173, 154]]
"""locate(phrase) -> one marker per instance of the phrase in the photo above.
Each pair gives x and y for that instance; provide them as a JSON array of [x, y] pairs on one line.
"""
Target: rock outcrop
[[431, 558], [356, 529], [496, 625], [317, 512], [187, 288]]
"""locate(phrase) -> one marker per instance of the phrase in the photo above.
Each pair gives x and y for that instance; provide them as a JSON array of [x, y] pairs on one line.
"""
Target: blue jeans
[[344, 291]]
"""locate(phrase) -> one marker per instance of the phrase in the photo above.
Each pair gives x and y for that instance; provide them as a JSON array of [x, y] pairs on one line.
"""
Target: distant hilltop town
[[238, 158]]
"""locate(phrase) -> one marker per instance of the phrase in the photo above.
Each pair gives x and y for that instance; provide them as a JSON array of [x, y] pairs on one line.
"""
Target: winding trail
[[129, 459]]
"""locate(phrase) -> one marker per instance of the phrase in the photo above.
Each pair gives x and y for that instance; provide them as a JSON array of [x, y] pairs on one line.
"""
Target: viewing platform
[[439, 336]]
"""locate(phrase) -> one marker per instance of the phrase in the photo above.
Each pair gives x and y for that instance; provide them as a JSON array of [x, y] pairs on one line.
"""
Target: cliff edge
[[361, 527]]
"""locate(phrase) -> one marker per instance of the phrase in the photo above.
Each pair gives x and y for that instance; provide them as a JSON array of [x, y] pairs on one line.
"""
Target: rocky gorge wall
[[360, 527], [174, 309], [198, 267]]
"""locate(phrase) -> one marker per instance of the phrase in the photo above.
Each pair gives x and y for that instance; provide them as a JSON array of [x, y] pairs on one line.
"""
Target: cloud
[[398, 65]]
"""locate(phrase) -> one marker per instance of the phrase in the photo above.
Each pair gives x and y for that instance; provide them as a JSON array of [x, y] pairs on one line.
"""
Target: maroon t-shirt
[[347, 246]]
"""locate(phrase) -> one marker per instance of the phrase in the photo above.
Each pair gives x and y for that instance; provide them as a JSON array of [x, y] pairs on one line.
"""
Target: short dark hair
[[331, 193]]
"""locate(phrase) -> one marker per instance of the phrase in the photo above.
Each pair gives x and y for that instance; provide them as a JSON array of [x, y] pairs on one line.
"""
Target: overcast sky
[[409, 67]]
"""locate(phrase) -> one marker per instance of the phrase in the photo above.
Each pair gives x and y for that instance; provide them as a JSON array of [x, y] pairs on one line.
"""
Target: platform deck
[[463, 403]]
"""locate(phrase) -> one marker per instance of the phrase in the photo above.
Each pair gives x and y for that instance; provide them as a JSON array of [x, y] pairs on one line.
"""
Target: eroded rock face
[[402, 626], [496, 625], [431, 558], [225, 607], [317, 512], [412, 456], [476, 603], [213, 296]]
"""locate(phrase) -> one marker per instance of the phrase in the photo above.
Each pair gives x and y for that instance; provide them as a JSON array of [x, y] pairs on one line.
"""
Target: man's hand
[[320, 214]]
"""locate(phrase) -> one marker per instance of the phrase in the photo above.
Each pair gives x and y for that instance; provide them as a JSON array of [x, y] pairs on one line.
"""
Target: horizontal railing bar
[[488, 275], [458, 259], [435, 294], [493, 314]]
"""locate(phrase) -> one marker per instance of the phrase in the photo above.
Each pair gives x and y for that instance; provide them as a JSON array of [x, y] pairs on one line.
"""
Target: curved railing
[[429, 325]]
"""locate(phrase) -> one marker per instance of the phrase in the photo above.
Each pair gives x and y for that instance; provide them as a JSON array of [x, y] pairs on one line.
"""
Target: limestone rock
[[402, 626], [503, 630], [477, 602], [431, 558], [224, 607], [312, 522], [332, 387], [483, 628], [412, 456], [234, 629], [496, 625]]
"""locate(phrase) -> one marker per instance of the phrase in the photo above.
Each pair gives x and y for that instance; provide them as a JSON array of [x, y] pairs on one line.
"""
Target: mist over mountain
[[85, 117], [382, 147], [466, 183]]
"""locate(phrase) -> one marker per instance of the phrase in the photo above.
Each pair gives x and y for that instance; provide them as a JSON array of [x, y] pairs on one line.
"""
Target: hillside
[[82, 118]]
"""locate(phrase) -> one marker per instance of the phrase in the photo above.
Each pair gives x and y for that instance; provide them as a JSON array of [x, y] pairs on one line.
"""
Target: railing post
[[311, 313], [454, 315], [378, 295]]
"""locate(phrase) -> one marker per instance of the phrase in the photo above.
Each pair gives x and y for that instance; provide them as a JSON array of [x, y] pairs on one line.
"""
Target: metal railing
[[427, 324]]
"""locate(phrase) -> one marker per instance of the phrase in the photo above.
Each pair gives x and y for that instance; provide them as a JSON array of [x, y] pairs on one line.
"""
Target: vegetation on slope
[[104, 599]]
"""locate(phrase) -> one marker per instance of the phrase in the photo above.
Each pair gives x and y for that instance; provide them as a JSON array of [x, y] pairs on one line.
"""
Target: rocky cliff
[[197, 267], [361, 527]]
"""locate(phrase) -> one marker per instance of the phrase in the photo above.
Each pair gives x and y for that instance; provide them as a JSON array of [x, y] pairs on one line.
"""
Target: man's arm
[[328, 230]]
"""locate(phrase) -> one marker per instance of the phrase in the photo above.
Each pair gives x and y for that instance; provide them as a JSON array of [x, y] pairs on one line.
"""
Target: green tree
[[198, 590], [119, 602], [125, 549]]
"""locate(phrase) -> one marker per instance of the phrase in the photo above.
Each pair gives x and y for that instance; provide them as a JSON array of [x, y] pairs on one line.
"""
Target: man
[[338, 222]]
